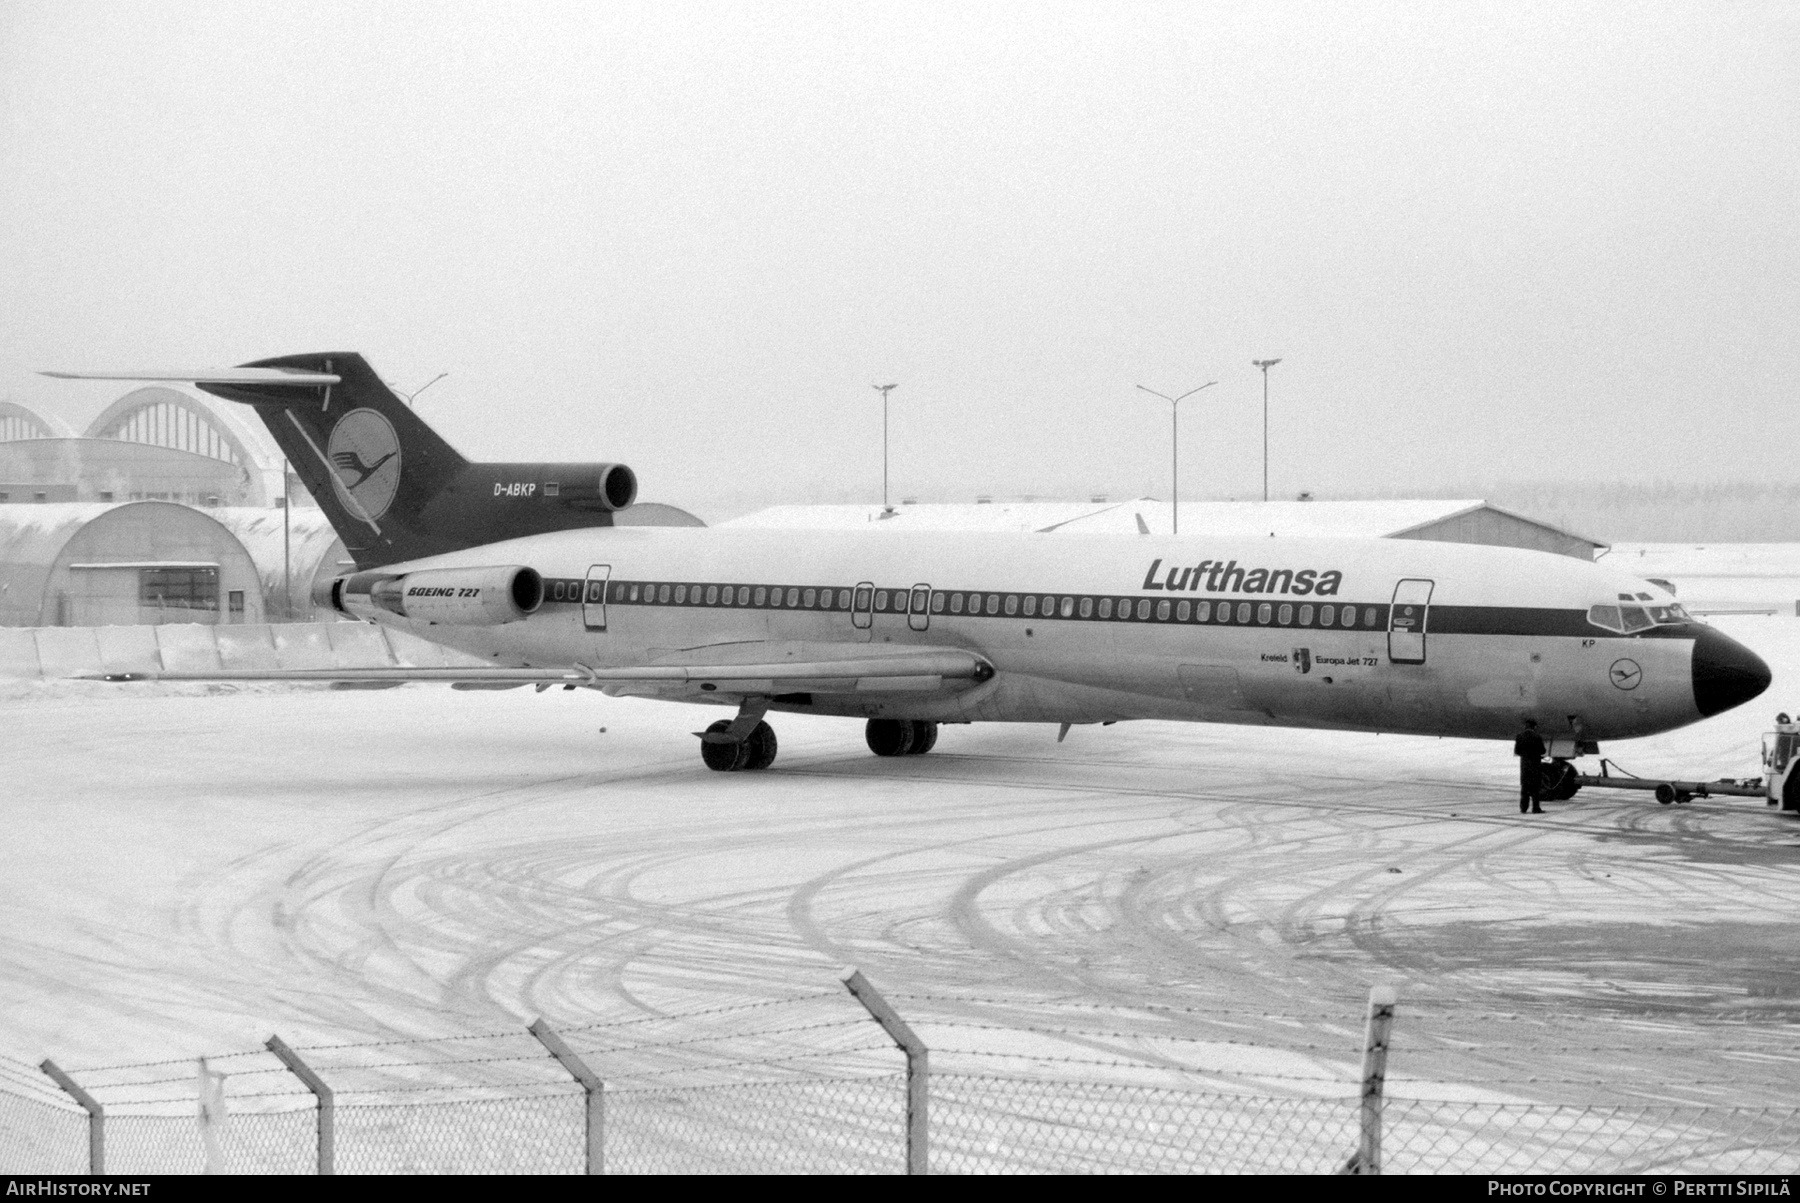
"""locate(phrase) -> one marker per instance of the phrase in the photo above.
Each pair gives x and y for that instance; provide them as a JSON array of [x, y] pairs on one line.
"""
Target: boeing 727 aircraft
[[520, 566]]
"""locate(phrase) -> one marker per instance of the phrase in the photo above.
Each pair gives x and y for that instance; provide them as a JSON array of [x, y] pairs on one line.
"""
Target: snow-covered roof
[[310, 540], [1321, 519]]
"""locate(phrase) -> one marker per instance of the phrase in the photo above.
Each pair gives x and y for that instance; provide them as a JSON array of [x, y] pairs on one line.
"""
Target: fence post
[[96, 1116], [1374, 1073], [591, 1083], [918, 1066], [321, 1092]]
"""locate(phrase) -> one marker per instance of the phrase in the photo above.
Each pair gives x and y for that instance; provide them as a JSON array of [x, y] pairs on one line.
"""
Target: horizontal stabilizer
[[278, 376]]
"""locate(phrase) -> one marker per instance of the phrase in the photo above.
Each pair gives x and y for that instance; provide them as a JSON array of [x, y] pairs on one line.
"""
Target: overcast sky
[[1489, 242]]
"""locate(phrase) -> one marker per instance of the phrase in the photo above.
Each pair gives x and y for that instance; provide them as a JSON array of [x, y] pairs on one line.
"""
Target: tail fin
[[392, 487], [371, 463]]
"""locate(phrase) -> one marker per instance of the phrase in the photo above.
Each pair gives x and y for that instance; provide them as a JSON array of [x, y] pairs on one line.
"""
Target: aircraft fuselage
[[1387, 635]]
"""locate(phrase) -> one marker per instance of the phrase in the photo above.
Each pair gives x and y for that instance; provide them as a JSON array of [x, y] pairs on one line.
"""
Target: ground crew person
[[1529, 748]]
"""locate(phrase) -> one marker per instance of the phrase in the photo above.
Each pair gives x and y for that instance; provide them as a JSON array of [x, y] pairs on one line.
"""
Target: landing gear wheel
[[762, 747], [924, 738], [890, 737], [726, 757]]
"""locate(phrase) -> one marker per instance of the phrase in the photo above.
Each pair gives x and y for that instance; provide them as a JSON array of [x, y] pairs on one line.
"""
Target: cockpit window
[[1628, 620]]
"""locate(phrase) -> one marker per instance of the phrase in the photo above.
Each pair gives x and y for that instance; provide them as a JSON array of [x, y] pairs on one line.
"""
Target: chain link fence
[[812, 1084]]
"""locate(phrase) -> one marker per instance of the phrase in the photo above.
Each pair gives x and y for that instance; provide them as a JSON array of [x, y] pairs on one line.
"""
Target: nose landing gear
[[900, 737]]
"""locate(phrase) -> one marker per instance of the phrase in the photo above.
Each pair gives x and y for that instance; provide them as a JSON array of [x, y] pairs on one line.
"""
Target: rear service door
[[593, 602], [1406, 621]]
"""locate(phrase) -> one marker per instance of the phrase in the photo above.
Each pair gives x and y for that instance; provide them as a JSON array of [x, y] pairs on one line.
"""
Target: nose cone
[[1726, 673]]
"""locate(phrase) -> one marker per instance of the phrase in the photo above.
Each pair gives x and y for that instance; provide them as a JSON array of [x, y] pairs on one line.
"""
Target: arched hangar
[[88, 564], [151, 444]]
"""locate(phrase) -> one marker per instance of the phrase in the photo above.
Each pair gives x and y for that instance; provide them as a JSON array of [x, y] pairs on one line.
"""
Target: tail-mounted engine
[[471, 597]]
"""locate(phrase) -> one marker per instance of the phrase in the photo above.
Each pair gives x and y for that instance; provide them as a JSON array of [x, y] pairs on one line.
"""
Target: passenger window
[[1143, 608], [743, 595], [1049, 607], [597, 591], [1030, 605], [1287, 615], [937, 603], [1183, 610], [712, 595], [1327, 615], [1224, 611], [862, 597], [1306, 616], [1635, 618], [809, 597], [1068, 607], [556, 591], [1605, 616], [1087, 607], [762, 595], [917, 603], [1203, 611], [1106, 607], [993, 603], [793, 597], [843, 599], [1162, 610], [1012, 604], [1265, 612], [634, 593], [681, 595], [881, 600], [662, 594], [956, 603], [1369, 619], [1243, 614], [1349, 619]]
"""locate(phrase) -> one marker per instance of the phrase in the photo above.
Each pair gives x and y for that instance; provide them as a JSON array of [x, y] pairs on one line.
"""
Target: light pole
[[884, 390], [1265, 365], [1175, 451]]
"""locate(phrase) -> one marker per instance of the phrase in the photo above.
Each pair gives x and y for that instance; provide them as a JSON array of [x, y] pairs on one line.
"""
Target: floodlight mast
[[884, 390], [1175, 451], [1265, 365]]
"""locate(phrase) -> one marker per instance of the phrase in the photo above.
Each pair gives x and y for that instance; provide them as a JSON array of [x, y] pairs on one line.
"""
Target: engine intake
[[472, 597]]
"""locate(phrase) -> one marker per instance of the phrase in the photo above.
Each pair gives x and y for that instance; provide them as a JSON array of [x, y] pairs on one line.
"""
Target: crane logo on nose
[[1625, 674]]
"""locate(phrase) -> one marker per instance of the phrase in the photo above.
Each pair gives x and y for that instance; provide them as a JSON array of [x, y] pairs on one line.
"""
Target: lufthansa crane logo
[[1625, 674], [365, 460]]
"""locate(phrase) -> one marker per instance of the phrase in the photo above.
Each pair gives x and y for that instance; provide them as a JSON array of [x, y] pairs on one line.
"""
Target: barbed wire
[[753, 1033], [1412, 1010]]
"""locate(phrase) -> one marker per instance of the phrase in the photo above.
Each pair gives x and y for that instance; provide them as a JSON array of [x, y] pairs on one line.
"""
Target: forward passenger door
[[1407, 621]]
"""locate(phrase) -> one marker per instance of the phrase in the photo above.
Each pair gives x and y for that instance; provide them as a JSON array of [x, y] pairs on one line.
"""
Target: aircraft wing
[[874, 672]]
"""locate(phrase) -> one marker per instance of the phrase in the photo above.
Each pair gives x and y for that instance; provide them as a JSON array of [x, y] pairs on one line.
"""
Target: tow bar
[[1676, 791]]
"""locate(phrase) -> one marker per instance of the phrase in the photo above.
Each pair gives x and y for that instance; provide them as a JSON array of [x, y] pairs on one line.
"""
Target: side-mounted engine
[[470, 597]]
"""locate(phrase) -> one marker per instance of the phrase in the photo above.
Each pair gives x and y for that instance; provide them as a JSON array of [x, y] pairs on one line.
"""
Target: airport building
[[168, 508], [1435, 521], [152, 444]]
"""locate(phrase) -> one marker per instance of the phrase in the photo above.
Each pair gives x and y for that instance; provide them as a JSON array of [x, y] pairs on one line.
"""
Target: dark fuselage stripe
[[950, 604]]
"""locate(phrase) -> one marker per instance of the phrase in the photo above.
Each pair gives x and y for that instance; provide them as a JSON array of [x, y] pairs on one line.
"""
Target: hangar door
[[1406, 621]]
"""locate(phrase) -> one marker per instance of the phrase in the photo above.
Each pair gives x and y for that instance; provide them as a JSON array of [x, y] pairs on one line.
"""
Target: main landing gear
[[746, 742], [728, 755], [900, 737]]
